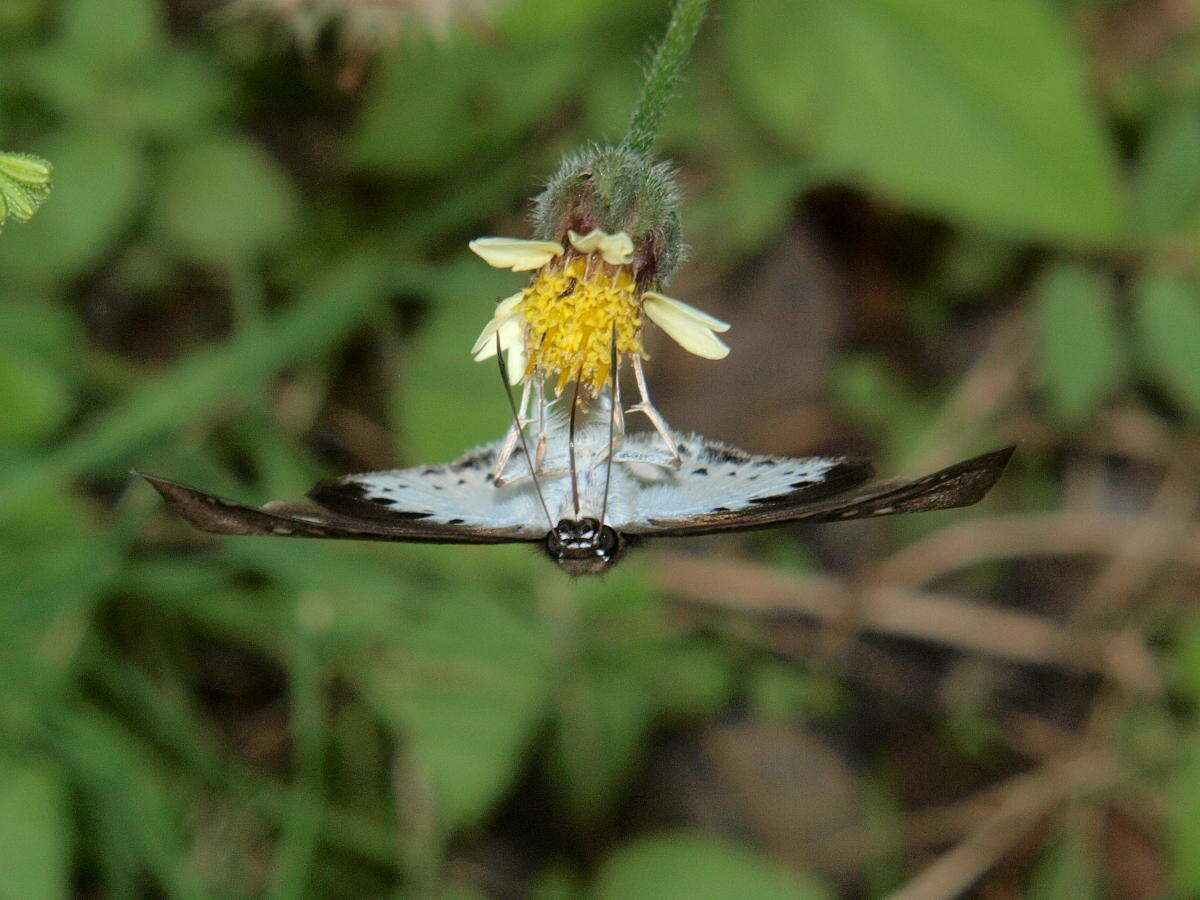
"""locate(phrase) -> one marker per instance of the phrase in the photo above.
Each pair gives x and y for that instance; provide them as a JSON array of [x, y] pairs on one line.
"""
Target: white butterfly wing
[[716, 480], [461, 493], [455, 503], [819, 489]]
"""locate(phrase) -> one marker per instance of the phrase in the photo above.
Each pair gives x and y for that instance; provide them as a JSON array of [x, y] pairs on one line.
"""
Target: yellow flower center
[[572, 309]]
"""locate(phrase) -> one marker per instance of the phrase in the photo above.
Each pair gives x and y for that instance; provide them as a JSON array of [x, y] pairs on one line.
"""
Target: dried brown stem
[[1145, 547], [1035, 535], [1026, 799], [944, 619], [991, 383]]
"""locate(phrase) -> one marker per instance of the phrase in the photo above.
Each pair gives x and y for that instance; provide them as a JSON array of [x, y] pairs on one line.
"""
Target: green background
[[937, 226]]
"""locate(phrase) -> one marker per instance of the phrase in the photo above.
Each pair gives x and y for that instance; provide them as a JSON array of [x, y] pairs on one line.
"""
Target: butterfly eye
[[556, 539], [608, 543]]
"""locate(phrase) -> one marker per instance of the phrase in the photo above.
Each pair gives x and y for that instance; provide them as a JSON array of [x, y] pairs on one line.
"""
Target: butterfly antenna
[[612, 425], [512, 404], [571, 443]]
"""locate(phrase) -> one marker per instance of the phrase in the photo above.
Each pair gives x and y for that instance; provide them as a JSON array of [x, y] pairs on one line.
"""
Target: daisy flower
[[593, 283], [607, 239]]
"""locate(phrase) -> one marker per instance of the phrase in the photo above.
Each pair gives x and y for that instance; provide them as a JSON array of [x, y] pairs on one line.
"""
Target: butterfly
[[587, 502]]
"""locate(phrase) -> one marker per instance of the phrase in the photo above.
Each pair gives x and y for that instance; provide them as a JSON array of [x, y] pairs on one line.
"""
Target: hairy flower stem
[[664, 75]]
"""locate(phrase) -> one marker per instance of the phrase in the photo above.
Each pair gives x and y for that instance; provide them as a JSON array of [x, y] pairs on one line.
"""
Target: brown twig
[[1033, 535], [993, 380], [965, 624], [1145, 546], [1026, 799]]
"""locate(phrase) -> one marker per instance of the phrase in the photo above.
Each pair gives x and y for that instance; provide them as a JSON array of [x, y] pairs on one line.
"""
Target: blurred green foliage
[[969, 109], [195, 717]]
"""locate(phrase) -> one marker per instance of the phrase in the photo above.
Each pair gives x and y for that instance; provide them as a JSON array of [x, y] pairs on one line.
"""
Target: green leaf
[[186, 93], [971, 109], [54, 566], [555, 882], [758, 196], [544, 21], [443, 374], [324, 311], [161, 92], [37, 399], [1167, 195], [1183, 829], [1081, 354], [690, 680], [1167, 318], [127, 790], [630, 679], [96, 184], [696, 866], [1185, 658], [474, 108], [1067, 869], [36, 831], [604, 712], [113, 31], [870, 392], [24, 185], [784, 692], [38, 326], [464, 686], [19, 19], [225, 199]]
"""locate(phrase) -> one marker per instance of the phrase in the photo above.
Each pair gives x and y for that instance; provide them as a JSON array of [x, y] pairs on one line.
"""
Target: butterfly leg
[[539, 453], [618, 414], [523, 476], [656, 419], [512, 438], [618, 426]]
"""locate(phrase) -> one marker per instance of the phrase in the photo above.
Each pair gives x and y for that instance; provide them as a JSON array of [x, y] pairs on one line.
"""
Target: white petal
[[485, 336], [516, 362], [515, 254], [586, 243], [687, 332], [505, 309], [511, 330], [699, 315], [616, 249], [508, 304]]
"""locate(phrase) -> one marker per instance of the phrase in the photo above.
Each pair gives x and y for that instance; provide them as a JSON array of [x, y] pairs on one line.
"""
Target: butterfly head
[[584, 546]]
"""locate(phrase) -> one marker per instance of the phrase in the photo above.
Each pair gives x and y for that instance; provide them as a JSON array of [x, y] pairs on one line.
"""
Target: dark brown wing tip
[[206, 511], [956, 486], [982, 472], [962, 484]]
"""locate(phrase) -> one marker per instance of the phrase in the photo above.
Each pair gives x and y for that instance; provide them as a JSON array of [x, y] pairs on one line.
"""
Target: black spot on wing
[[726, 454], [844, 475], [484, 457], [349, 499]]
